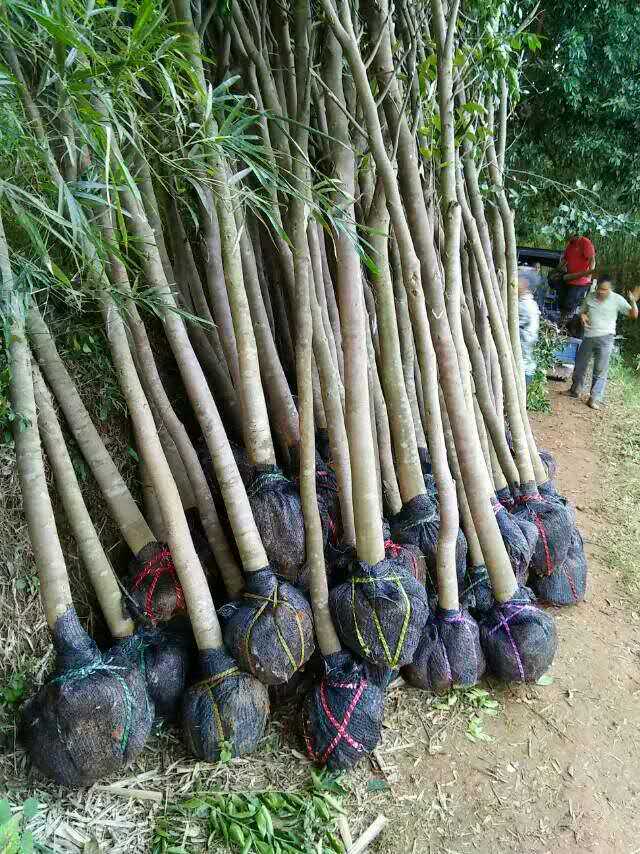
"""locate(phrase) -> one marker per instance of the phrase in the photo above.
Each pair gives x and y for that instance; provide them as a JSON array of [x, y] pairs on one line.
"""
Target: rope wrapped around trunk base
[[379, 612], [270, 630], [275, 502], [449, 653], [519, 640], [164, 656], [225, 709], [154, 586], [567, 584], [418, 525], [342, 715], [92, 717]]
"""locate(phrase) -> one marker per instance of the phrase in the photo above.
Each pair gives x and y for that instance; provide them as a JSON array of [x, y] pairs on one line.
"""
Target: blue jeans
[[600, 348]]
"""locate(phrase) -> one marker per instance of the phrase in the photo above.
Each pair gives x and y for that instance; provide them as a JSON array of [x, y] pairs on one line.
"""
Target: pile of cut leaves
[[270, 822]]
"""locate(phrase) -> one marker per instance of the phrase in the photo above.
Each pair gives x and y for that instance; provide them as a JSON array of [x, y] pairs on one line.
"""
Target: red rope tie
[[396, 550], [543, 536], [160, 564], [567, 575]]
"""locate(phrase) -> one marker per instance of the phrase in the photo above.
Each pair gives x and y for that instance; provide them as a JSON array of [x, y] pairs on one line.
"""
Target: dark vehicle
[[544, 257]]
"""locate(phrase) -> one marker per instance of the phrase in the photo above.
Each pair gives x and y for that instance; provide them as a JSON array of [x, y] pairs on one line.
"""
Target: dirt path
[[561, 773], [555, 770]]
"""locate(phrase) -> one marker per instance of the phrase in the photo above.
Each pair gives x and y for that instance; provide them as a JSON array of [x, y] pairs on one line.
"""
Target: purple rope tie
[[512, 611]]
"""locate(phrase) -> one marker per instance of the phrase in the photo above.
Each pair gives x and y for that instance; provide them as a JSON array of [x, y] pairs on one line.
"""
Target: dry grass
[[120, 814]]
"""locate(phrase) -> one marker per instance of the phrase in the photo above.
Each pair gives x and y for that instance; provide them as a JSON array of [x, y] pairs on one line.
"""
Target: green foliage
[[475, 704], [575, 135], [549, 342], [14, 838], [258, 822]]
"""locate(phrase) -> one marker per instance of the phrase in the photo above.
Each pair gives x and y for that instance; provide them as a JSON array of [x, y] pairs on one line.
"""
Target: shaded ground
[[551, 768]]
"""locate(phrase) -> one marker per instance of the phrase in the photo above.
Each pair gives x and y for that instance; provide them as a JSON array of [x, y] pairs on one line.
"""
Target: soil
[[561, 771], [541, 768]]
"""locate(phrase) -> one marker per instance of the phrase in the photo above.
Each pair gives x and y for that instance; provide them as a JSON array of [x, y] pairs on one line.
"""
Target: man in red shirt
[[579, 262]]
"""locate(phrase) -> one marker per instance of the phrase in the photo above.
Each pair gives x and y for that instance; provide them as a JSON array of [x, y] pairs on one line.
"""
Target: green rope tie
[[273, 599], [263, 480], [99, 666], [392, 660], [209, 684]]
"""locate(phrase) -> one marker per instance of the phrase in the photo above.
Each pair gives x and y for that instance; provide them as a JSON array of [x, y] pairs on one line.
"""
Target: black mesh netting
[[342, 715], [275, 502], [477, 593], [380, 611], [164, 656], [519, 640], [299, 684], [449, 653], [269, 630], [520, 537], [555, 521], [92, 717], [328, 503], [418, 524], [549, 462], [425, 461], [323, 446], [154, 588], [225, 709], [567, 584]]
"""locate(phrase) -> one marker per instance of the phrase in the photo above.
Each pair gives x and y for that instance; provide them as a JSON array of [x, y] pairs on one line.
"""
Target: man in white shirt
[[599, 314]]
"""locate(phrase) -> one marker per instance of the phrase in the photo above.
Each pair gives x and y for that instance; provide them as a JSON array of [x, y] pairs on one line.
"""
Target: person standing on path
[[579, 262], [599, 314], [529, 320]]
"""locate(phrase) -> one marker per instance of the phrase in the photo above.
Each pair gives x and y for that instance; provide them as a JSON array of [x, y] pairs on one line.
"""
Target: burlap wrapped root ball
[[519, 640], [226, 709], [342, 715], [418, 525], [155, 593], [567, 584], [379, 612], [555, 521], [277, 510], [270, 630], [449, 653], [164, 656], [520, 537], [92, 717]]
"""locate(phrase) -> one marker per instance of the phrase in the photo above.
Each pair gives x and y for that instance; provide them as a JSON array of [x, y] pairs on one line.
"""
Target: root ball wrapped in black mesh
[[225, 709], [549, 462], [164, 657], [379, 612], [92, 717], [275, 502], [519, 640], [270, 630], [567, 584], [328, 503], [555, 521], [449, 653], [520, 537], [342, 715], [478, 590], [154, 587], [418, 524]]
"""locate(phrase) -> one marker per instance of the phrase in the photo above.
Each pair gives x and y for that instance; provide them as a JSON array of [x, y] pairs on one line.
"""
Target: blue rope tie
[[75, 674]]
